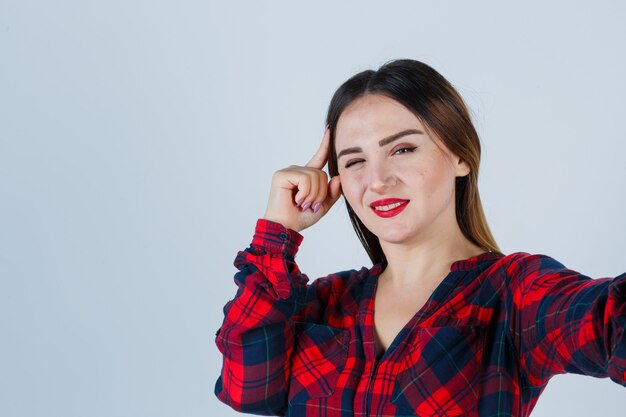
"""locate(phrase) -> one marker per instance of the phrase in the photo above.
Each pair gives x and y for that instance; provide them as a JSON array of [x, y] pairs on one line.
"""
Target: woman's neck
[[426, 261]]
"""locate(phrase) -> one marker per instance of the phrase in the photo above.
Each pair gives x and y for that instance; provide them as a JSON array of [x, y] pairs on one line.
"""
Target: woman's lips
[[389, 207]]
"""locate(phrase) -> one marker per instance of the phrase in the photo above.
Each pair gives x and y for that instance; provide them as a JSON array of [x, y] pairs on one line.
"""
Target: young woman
[[443, 323]]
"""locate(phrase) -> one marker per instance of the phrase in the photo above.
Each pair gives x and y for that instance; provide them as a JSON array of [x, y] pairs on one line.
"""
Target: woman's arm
[[566, 322], [257, 335]]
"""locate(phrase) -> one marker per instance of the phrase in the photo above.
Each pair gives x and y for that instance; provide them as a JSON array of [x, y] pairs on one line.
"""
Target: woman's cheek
[[350, 187]]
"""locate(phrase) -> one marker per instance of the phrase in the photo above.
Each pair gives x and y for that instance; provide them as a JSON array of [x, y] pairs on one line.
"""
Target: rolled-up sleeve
[[257, 335]]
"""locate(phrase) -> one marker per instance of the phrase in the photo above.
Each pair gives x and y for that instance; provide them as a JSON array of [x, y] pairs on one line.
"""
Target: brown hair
[[441, 109]]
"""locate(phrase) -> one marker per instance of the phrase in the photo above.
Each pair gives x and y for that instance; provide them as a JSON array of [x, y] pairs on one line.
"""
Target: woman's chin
[[395, 237]]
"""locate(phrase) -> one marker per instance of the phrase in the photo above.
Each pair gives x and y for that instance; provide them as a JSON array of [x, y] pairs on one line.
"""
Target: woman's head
[[411, 94]]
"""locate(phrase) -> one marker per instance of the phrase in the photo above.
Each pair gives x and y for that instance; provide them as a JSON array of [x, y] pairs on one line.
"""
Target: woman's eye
[[405, 150], [350, 163]]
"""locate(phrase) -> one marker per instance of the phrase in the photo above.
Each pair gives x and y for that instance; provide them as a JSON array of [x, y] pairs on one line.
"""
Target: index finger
[[319, 159]]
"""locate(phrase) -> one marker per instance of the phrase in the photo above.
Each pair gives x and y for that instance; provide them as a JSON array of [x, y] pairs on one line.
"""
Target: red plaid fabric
[[485, 344]]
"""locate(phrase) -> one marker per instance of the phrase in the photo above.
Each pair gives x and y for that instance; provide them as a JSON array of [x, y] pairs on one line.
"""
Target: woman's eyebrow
[[398, 135], [382, 142]]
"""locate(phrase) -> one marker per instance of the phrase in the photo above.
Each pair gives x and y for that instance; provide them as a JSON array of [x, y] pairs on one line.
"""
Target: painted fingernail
[[300, 202], [306, 206], [316, 207]]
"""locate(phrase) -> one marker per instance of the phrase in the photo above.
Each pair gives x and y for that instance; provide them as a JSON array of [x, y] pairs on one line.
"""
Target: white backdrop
[[138, 139]]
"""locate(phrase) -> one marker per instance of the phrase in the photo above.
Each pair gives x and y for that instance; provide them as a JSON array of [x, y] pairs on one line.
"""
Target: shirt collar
[[469, 263]]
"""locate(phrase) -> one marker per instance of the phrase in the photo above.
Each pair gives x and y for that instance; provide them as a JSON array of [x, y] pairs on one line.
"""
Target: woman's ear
[[462, 168]]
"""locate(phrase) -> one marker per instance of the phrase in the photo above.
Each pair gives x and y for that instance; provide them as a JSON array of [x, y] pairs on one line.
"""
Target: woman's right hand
[[301, 195]]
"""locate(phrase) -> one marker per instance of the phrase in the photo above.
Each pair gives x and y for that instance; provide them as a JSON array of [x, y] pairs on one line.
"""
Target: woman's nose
[[382, 180]]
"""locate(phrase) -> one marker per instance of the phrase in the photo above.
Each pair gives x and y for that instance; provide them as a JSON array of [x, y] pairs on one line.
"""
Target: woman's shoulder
[[351, 283], [349, 277], [529, 261], [524, 267]]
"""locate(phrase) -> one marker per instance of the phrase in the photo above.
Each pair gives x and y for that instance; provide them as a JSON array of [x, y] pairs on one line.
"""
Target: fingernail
[[299, 202], [306, 206], [316, 207]]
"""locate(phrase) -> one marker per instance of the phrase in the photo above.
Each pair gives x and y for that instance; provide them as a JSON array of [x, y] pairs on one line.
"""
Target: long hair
[[436, 103]]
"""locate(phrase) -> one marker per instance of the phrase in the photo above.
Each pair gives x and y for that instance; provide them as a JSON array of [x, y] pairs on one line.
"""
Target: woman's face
[[398, 179]]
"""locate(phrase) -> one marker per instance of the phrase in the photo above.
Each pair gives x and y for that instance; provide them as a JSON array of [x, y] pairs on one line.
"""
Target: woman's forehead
[[371, 118]]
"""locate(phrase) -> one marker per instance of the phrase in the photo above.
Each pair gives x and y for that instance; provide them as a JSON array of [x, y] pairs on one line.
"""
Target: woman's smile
[[389, 207]]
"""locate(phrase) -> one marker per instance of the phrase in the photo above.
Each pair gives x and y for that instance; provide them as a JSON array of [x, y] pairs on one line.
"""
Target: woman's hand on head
[[301, 195]]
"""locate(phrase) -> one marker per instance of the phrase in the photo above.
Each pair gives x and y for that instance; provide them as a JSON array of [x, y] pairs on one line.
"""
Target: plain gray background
[[138, 139]]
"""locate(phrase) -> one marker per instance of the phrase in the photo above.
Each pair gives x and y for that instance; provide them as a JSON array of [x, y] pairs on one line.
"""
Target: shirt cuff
[[274, 238]]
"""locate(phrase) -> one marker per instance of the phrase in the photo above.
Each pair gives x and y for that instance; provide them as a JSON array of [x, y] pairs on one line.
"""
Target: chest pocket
[[319, 357], [441, 373]]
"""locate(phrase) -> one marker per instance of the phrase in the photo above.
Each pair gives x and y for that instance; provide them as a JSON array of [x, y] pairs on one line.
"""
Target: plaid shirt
[[485, 343]]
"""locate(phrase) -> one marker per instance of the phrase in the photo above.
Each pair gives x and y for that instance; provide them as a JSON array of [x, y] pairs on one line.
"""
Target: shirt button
[[284, 236]]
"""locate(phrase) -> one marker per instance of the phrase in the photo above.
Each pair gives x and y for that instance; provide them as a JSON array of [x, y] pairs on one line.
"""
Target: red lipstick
[[387, 202]]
